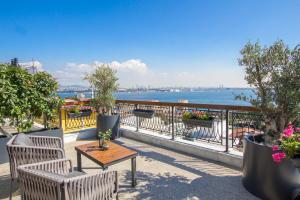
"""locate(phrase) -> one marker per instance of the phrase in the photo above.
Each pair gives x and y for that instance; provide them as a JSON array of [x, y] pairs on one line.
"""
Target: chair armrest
[[33, 185], [104, 186], [20, 155], [46, 141], [59, 166]]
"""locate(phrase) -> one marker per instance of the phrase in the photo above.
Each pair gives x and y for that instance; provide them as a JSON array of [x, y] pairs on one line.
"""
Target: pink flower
[[288, 132], [290, 126], [282, 155], [277, 157], [275, 148], [298, 139], [298, 129]]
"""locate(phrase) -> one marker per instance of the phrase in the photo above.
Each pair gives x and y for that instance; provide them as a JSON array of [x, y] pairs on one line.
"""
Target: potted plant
[[74, 112], [104, 82], [103, 138], [86, 111], [77, 111], [274, 73], [288, 146], [195, 118]]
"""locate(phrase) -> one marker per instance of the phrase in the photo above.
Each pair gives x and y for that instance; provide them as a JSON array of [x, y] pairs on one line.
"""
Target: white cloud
[[134, 72], [73, 73], [32, 65], [132, 65]]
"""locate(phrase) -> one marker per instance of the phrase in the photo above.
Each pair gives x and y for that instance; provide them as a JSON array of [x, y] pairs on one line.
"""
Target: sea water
[[205, 96]]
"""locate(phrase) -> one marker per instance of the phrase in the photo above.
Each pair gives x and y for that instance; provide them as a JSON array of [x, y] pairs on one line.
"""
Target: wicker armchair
[[43, 149], [55, 180]]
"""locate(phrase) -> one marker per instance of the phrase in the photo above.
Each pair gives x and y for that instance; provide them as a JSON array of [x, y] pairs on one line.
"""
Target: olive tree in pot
[[274, 72], [104, 82]]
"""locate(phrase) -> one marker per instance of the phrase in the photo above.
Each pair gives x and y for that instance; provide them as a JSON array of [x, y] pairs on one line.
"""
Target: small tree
[[47, 100], [24, 96], [274, 72], [104, 82]]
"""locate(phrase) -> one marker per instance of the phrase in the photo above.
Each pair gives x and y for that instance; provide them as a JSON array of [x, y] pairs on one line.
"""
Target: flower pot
[[143, 113], [263, 177], [106, 122], [85, 113], [296, 163], [73, 115], [191, 123], [101, 142], [105, 146]]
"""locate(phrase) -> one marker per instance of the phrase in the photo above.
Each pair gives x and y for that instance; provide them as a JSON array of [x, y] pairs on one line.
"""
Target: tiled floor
[[162, 175]]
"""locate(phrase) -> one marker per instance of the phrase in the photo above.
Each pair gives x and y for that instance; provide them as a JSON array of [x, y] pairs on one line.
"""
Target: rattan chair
[[56, 180], [42, 149]]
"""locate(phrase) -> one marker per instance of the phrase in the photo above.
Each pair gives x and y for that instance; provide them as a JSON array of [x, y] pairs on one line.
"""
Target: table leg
[[133, 172], [79, 161]]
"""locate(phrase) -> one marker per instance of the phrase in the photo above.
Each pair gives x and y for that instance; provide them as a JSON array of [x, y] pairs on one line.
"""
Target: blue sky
[[150, 42]]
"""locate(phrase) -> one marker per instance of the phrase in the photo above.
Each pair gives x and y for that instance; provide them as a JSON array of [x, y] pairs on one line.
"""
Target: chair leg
[[10, 189]]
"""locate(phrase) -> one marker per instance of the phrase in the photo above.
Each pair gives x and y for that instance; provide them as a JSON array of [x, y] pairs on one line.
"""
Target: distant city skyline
[[159, 43]]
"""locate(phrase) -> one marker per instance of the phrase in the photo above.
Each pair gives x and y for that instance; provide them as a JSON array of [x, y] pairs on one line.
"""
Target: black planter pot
[[85, 113], [106, 122], [143, 113], [266, 179]]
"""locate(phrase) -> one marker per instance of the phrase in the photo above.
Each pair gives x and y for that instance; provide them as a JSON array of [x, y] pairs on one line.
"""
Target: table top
[[114, 154]]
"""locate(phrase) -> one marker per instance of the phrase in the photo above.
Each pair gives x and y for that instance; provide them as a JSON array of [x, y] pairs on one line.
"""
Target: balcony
[[176, 160], [161, 174]]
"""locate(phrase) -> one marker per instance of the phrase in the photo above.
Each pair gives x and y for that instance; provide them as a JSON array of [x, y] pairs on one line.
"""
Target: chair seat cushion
[[74, 174], [23, 140], [59, 176]]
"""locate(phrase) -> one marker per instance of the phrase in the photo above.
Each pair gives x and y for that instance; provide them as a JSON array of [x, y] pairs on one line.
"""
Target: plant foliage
[[198, 115], [104, 82], [24, 96], [105, 135], [274, 72], [289, 144]]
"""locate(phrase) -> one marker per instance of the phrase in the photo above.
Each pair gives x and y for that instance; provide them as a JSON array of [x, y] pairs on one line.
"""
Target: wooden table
[[105, 158]]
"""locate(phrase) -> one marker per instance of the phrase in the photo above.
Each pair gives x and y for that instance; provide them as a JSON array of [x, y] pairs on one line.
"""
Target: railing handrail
[[191, 105]]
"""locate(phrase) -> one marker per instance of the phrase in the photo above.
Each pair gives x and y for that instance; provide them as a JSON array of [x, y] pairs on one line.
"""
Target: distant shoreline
[[206, 96], [160, 90]]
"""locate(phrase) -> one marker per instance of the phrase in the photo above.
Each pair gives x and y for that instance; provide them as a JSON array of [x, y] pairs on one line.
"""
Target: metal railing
[[228, 127]]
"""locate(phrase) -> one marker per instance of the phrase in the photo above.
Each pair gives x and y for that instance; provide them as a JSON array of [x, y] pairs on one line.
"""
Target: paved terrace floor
[[162, 175]]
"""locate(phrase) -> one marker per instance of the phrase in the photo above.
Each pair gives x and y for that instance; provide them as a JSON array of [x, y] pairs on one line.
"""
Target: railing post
[[173, 131], [227, 131], [60, 118], [137, 118]]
